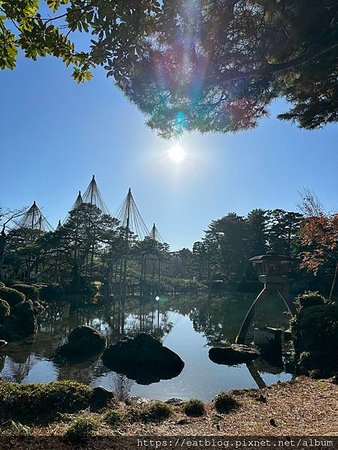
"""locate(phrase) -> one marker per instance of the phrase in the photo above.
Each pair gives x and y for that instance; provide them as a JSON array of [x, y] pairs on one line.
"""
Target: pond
[[187, 325]]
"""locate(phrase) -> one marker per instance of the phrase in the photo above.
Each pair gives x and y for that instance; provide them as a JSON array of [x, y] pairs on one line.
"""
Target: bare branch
[[309, 204]]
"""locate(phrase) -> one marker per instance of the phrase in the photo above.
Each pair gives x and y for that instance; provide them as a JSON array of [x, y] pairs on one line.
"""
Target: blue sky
[[56, 134]]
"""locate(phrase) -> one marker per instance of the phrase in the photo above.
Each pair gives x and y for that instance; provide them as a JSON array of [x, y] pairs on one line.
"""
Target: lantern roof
[[270, 256]]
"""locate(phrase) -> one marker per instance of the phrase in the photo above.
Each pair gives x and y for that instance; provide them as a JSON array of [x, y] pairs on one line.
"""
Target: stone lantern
[[273, 270]]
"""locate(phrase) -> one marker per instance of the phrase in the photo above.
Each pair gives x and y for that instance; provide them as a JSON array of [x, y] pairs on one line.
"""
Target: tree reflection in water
[[217, 318]]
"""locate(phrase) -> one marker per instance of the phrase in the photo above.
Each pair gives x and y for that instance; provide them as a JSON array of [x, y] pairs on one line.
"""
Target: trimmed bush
[[154, 411], [12, 296], [5, 310], [194, 408], [41, 402], [113, 417], [310, 298], [158, 411], [81, 429], [31, 292], [224, 403], [22, 321]]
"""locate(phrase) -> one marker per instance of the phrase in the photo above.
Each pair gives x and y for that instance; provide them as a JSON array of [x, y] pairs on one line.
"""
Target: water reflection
[[187, 325]]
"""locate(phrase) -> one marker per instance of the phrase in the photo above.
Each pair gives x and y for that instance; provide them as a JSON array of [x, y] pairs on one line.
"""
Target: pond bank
[[301, 407]]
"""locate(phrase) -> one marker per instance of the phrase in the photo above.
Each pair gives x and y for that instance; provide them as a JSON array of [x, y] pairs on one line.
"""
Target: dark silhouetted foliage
[[12, 296], [5, 310]]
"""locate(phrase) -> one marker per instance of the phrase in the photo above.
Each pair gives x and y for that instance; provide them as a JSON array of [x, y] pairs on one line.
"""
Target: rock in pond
[[82, 342], [233, 354], [143, 359]]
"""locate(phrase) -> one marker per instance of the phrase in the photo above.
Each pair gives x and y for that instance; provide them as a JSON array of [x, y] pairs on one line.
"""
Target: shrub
[[41, 402], [31, 292], [310, 298], [5, 310], [113, 417], [22, 322], [224, 403], [194, 408], [158, 411], [315, 337], [12, 296], [154, 411], [81, 429]]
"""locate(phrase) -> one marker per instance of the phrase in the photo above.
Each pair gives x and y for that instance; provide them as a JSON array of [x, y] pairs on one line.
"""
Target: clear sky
[[56, 134]]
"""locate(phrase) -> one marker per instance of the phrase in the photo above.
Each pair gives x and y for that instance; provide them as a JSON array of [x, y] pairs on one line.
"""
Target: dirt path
[[302, 407]]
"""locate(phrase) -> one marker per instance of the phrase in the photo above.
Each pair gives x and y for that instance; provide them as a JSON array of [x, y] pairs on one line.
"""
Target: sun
[[177, 153]]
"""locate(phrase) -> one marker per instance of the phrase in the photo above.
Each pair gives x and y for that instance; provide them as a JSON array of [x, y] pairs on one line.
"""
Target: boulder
[[174, 401], [233, 354], [83, 342], [100, 397], [143, 359]]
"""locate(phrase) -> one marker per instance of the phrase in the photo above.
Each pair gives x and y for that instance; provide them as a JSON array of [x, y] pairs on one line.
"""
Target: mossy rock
[[101, 397], [315, 335], [233, 354], [5, 310], [143, 359], [31, 292], [12, 296], [83, 342], [30, 403]]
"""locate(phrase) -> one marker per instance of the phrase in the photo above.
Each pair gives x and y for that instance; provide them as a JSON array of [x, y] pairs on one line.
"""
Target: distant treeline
[[229, 243], [91, 245]]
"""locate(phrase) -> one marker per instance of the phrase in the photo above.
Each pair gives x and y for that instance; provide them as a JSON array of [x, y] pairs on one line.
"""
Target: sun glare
[[177, 153]]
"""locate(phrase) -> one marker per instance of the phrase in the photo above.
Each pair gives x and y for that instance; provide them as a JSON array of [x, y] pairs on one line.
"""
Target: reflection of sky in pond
[[30, 361]]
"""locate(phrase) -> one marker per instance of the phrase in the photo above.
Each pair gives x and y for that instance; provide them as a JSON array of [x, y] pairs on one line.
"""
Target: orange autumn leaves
[[320, 235]]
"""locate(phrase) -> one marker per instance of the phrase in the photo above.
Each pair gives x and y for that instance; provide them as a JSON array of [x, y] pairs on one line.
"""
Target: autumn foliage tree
[[319, 236]]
